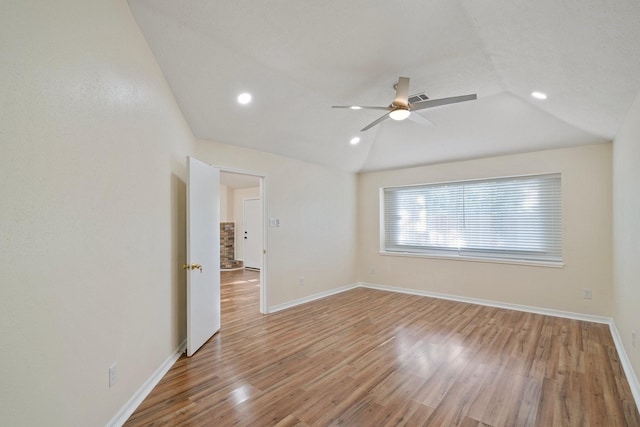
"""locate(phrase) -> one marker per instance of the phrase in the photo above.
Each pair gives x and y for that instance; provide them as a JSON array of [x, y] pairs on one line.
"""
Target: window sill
[[549, 264]]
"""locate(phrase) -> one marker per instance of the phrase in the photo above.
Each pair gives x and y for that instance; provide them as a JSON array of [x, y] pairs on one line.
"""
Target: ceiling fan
[[401, 108]]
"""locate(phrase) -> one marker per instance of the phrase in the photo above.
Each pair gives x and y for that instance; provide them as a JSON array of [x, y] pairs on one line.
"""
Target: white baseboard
[[125, 412], [632, 379], [490, 303], [310, 298]]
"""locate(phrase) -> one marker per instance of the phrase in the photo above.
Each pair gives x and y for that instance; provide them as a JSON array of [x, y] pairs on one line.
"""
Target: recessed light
[[539, 95], [356, 107], [355, 140], [244, 98]]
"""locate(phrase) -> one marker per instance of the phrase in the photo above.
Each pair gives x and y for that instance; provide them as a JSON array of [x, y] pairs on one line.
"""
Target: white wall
[[238, 215], [92, 154], [224, 203], [586, 181], [626, 237], [317, 211]]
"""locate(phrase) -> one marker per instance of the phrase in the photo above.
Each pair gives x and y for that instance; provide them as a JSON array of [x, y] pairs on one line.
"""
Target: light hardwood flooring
[[374, 358]]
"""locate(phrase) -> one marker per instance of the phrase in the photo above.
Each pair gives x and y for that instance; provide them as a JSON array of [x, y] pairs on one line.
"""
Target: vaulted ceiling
[[298, 58]]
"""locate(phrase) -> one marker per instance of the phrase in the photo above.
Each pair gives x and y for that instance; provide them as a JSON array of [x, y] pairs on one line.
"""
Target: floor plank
[[367, 357]]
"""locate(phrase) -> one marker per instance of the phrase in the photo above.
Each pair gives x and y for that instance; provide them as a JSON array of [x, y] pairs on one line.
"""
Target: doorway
[[236, 187]]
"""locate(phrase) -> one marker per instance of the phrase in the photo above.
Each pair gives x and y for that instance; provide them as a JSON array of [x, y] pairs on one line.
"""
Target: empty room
[[296, 213]]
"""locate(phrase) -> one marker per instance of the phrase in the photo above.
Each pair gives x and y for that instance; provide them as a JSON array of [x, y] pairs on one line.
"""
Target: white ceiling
[[298, 58], [239, 181]]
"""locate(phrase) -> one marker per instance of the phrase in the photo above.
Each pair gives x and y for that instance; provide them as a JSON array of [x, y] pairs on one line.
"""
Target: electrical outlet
[[113, 374], [301, 280], [586, 293], [372, 270]]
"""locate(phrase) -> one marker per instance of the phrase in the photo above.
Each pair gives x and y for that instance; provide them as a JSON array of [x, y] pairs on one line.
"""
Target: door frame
[[262, 178]]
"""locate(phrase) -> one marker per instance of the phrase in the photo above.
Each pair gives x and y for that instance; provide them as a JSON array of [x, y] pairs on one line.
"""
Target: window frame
[[439, 253]]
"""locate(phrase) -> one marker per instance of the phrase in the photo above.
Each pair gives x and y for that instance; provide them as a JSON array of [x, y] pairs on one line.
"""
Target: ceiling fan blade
[[360, 107], [442, 101], [372, 124], [402, 92], [415, 117]]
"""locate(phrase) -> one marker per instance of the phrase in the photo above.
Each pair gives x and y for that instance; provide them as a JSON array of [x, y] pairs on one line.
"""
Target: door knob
[[192, 267]]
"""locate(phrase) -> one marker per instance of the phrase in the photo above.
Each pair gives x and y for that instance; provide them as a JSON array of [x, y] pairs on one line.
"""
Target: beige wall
[[317, 211], [92, 225], [586, 180], [626, 225], [92, 230], [92, 219]]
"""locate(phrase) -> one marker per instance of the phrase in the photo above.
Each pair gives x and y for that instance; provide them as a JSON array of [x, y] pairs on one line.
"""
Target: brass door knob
[[192, 267]]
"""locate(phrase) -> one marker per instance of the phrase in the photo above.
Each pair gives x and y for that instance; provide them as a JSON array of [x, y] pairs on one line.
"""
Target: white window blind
[[517, 218]]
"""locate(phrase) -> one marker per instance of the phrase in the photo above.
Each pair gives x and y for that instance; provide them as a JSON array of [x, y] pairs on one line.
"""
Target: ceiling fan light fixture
[[399, 114], [400, 108]]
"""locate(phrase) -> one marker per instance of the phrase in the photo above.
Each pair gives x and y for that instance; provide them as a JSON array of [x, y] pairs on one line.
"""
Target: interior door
[[203, 253], [252, 219]]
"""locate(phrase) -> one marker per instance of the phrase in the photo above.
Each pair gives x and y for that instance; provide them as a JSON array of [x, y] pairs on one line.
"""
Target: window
[[517, 218]]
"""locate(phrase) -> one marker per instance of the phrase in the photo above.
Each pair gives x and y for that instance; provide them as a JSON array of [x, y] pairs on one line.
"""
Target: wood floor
[[374, 358]]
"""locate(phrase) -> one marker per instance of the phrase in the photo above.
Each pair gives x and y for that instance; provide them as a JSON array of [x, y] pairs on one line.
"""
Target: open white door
[[203, 253]]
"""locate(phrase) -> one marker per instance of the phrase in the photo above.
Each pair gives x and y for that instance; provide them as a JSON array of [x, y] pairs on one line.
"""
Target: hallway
[[239, 296]]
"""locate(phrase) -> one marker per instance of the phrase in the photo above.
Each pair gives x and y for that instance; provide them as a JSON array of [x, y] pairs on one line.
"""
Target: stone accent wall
[[228, 247]]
